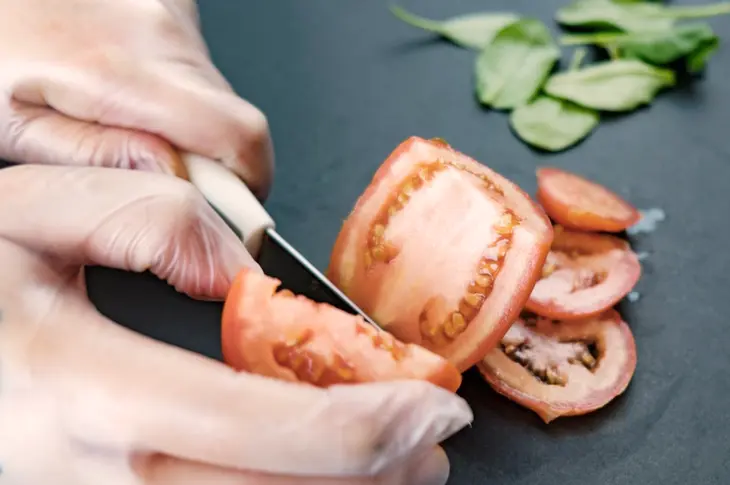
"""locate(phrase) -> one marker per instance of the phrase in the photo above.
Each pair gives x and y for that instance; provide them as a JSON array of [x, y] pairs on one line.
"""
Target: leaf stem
[[613, 52], [600, 38], [415, 20], [578, 56]]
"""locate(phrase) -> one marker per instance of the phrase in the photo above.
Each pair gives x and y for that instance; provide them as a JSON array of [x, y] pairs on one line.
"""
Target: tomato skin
[[290, 337], [577, 203], [367, 287], [511, 380], [623, 271]]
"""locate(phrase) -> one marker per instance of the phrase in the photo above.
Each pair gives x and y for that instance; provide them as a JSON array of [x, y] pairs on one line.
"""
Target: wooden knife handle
[[232, 198]]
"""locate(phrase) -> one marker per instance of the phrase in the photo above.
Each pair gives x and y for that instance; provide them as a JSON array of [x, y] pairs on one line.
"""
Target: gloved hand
[[120, 83], [84, 401]]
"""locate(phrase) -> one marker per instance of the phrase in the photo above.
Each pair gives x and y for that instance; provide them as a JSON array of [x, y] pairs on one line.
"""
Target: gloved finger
[[45, 136], [194, 117], [129, 220], [153, 397], [430, 468]]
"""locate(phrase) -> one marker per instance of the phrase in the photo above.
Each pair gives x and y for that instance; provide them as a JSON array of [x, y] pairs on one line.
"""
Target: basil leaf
[[605, 14], [473, 31], [513, 67], [552, 124], [659, 47], [618, 85]]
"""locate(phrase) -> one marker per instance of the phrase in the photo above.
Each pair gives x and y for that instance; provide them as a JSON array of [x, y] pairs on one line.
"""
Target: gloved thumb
[[42, 135]]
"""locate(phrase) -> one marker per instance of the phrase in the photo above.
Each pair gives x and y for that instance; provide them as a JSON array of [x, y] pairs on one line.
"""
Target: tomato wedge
[[557, 369], [441, 251], [281, 335], [585, 274], [577, 203]]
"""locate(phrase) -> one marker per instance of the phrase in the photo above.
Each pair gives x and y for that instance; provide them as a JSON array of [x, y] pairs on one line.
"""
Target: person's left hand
[[84, 401], [121, 83]]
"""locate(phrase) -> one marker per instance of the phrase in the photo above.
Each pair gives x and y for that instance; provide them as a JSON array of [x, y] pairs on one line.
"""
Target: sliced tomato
[[441, 251], [558, 369], [584, 274], [577, 203], [287, 336]]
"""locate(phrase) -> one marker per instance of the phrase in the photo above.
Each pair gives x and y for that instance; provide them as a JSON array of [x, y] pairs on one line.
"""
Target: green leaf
[[696, 11], [618, 85], [473, 31], [633, 16], [552, 124], [697, 59], [658, 47], [513, 67], [605, 14]]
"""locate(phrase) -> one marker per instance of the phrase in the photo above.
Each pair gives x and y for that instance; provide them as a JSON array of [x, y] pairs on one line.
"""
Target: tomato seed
[[588, 360], [473, 299], [483, 281], [455, 325]]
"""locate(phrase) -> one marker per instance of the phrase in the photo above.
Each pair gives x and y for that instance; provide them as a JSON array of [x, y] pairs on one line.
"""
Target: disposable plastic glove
[[120, 83], [84, 401]]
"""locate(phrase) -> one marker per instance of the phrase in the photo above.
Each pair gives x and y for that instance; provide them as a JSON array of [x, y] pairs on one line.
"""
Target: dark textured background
[[343, 82]]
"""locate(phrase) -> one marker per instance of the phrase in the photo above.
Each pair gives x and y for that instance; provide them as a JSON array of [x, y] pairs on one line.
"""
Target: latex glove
[[120, 83], [84, 401]]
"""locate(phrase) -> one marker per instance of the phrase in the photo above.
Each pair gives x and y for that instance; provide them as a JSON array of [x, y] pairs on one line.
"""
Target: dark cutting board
[[343, 82]]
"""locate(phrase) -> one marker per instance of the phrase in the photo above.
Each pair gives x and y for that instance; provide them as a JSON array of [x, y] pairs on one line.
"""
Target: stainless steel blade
[[281, 260]]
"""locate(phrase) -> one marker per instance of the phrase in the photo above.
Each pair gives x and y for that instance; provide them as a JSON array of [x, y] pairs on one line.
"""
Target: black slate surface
[[343, 82]]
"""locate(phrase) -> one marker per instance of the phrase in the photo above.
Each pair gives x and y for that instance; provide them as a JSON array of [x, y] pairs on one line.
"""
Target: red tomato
[[280, 335], [558, 369], [577, 203], [584, 275], [441, 251]]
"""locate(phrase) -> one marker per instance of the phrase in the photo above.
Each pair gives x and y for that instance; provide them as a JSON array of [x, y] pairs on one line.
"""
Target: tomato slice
[[441, 251], [558, 369], [584, 274], [287, 336], [577, 203]]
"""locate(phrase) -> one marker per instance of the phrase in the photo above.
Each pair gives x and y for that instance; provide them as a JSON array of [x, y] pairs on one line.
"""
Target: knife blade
[[235, 203]]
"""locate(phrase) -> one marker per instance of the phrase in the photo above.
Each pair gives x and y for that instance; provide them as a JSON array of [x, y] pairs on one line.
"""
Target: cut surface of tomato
[[558, 369], [441, 251], [584, 274], [577, 203], [289, 337]]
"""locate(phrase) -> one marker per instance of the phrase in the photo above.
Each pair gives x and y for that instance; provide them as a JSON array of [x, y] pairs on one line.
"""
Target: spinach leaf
[[658, 47], [473, 31], [633, 16], [696, 60], [609, 15], [617, 85], [696, 11], [552, 124], [513, 67]]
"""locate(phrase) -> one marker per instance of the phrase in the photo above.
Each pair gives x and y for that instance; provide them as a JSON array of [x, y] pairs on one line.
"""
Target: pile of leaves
[[647, 45]]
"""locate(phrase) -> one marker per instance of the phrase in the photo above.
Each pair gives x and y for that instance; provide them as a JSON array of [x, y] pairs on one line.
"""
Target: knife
[[241, 210]]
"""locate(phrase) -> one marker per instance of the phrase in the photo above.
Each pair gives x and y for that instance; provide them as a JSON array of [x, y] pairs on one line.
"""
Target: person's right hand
[[84, 401], [121, 83]]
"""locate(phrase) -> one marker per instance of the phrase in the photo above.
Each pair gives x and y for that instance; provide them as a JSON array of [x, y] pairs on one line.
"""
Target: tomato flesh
[[289, 337], [580, 204], [558, 369], [441, 251], [584, 274]]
